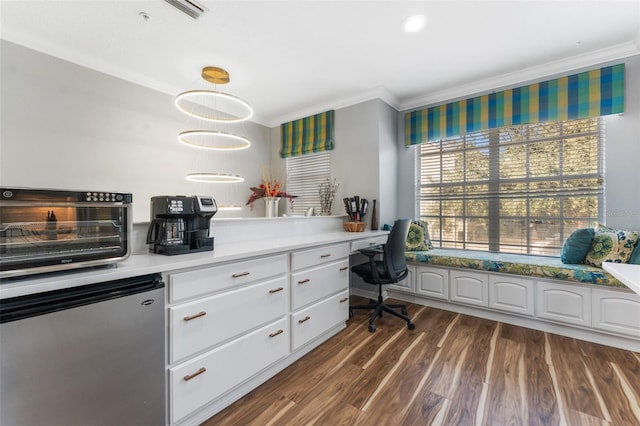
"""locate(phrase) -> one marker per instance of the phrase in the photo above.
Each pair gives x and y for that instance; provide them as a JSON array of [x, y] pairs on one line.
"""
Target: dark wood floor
[[452, 369]]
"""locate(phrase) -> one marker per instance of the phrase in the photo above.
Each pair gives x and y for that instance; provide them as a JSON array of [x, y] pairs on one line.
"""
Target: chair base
[[378, 308]]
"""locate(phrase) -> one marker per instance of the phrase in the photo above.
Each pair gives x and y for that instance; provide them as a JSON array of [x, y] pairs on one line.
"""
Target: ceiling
[[292, 58]]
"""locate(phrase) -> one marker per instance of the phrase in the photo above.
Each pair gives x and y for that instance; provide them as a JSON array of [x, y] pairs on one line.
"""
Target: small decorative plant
[[270, 187]]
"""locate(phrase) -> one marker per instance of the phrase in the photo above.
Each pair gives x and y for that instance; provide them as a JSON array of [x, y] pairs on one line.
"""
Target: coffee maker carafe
[[180, 224]]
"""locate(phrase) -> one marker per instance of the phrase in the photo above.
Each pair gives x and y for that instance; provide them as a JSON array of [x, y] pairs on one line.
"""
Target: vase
[[271, 206], [374, 217]]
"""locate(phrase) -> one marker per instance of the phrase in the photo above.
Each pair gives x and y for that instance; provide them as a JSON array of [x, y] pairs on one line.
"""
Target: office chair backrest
[[394, 261]]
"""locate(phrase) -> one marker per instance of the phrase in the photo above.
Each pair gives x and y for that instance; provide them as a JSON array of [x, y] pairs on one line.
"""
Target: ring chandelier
[[216, 107], [214, 140], [214, 177]]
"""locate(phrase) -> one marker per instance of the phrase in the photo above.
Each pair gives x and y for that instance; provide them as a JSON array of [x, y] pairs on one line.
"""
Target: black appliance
[[44, 230], [180, 224]]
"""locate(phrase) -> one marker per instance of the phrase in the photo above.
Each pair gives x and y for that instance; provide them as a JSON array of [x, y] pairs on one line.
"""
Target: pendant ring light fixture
[[207, 177], [214, 140]]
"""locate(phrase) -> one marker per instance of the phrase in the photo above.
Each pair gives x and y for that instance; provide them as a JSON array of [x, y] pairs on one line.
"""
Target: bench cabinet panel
[[616, 312], [564, 303], [471, 288], [511, 294], [432, 282], [406, 285]]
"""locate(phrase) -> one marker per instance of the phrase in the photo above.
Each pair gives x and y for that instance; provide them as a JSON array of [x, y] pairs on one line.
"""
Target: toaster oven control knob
[[119, 197]]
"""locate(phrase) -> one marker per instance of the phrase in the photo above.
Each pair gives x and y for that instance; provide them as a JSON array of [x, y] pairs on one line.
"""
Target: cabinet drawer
[[198, 325], [225, 367], [313, 284], [368, 242], [511, 294], [615, 311], [184, 285], [311, 322], [470, 288], [432, 282], [318, 256], [564, 303]]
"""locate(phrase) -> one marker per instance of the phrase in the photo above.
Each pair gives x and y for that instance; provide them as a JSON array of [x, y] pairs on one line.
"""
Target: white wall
[[67, 126], [622, 154]]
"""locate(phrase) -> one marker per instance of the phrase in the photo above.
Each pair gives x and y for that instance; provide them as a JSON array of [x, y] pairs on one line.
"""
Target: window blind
[[307, 135], [518, 189], [588, 94], [304, 176]]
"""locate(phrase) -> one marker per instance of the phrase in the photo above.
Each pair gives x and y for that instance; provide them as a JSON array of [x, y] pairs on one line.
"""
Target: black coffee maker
[[180, 224]]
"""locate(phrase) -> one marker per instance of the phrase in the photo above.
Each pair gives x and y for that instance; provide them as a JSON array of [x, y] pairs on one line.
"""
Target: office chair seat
[[391, 269]]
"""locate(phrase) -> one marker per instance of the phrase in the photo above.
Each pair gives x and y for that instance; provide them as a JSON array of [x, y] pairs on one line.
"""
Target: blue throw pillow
[[575, 249]]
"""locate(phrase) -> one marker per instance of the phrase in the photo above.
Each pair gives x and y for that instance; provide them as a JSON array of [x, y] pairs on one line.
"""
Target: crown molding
[[376, 93], [547, 70]]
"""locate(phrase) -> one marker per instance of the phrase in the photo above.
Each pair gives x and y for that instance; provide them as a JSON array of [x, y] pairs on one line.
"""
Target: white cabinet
[[432, 282], [309, 323], [511, 294], [616, 312], [206, 377], [368, 242], [564, 303], [319, 292], [189, 284], [313, 284], [471, 288], [204, 323]]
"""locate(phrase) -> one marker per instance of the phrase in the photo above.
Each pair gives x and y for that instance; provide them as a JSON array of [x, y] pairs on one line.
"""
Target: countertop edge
[[627, 273]]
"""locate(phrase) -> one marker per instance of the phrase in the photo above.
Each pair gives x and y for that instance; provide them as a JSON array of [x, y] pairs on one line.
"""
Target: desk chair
[[391, 269]]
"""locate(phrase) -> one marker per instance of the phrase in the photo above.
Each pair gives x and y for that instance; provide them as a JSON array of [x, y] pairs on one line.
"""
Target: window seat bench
[[537, 292], [517, 264]]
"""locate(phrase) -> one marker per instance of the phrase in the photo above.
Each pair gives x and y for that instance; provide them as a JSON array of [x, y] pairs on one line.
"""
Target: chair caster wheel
[[411, 325], [404, 311], [350, 313], [372, 328]]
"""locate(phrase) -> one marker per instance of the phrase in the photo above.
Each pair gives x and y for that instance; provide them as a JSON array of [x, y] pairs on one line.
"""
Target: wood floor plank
[[541, 396], [453, 369], [575, 388]]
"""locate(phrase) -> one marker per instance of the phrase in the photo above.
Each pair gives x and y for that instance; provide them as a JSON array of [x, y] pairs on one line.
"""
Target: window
[[304, 176], [517, 189]]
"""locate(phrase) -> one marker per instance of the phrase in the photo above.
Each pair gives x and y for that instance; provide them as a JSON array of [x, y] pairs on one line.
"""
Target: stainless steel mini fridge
[[90, 355]]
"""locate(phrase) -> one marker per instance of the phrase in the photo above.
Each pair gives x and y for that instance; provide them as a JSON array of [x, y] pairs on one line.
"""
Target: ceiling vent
[[190, 7]]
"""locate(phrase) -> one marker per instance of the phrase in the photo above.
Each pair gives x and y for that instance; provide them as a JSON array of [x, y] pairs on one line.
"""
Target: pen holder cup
[[354, 226]]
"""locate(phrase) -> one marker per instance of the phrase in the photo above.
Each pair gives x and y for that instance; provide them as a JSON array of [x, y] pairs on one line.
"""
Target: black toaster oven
[[45, 230]]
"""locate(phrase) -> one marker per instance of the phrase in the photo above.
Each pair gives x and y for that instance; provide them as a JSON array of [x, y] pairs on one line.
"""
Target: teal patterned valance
[[587, 94], [307, 135]]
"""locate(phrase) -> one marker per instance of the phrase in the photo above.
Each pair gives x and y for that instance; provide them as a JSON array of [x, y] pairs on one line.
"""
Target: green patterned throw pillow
[[610, 245], [418, 238]]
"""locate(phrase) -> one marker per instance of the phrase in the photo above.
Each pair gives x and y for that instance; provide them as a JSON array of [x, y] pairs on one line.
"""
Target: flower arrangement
[[270, 187]]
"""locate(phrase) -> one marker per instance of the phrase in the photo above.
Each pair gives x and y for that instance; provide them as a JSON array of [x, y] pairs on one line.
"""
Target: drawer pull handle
[[344, 300], [192, 317], [240, 274], [197, 373], [275, 290], [322, 256], [305, 319], [344, 269], [276, 333], [306, 280]]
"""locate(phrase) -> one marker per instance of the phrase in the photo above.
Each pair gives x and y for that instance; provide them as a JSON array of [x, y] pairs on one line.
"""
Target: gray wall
[[67, 126], [622, 152]]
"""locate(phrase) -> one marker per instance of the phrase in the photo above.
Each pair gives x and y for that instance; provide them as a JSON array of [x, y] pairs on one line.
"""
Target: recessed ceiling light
[[414, 23]]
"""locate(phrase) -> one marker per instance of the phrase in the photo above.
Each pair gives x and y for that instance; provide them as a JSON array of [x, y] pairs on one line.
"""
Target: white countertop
[[627, 273], [151, 263]]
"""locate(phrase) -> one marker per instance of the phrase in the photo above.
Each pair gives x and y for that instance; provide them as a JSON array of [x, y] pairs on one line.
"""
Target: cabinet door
[[405, 285], [564, 303], [616, 311], [310, 285], [311, 322], [432, 282], [318, 256], [189, 284], [198, 325], [471, 288], [201, 380], [511, 294]]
